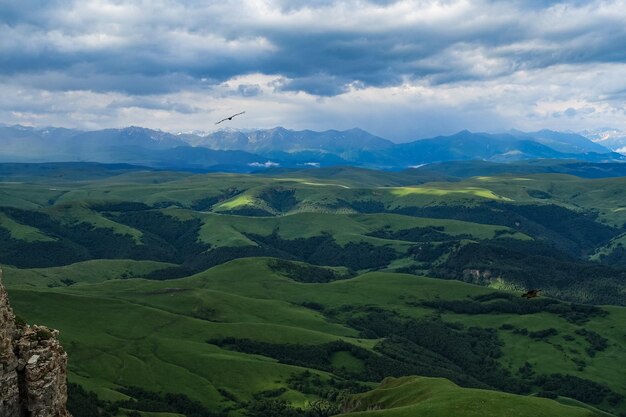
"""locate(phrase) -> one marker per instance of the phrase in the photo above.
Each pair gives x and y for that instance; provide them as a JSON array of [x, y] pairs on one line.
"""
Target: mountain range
[[232, 150], [614, 139]]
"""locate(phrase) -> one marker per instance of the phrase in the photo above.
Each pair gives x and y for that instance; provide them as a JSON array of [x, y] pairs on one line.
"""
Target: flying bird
[[531, 294], [229, 118]]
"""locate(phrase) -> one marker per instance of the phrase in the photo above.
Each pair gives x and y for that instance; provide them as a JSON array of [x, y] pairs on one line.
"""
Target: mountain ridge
[[244, 151]]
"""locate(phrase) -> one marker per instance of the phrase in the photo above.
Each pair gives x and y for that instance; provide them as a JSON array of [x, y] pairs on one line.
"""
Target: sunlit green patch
[[499, 179], [470, 191], [239, 201], [324, 185]]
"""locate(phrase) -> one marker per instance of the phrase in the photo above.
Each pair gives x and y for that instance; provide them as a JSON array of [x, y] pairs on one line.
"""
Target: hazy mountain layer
[[260, 149]]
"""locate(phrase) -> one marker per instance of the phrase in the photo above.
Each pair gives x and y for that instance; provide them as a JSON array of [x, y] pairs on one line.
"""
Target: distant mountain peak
[[609, 137]]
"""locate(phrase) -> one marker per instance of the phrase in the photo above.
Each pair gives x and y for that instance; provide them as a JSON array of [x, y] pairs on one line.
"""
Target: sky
[[399, 69]]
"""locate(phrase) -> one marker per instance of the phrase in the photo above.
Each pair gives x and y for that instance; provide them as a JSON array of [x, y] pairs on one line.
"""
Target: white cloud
[[401, 69], [267, 164]]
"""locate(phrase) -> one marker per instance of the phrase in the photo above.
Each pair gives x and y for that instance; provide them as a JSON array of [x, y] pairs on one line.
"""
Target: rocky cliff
[[32, 368]]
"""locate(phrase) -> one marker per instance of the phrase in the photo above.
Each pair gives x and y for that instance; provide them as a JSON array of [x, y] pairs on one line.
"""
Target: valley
[[328, 291]]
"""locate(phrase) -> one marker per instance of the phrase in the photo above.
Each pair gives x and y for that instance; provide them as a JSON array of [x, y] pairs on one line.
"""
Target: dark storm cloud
[[321, 47], [152, 104], [84, 77], [317, 84]]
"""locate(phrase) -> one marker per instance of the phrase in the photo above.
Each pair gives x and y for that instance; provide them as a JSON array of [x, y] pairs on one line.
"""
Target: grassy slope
[[434, 397], [115, 342], [222, 230], [22, 231], [81, 272], [609, 247], [318, 188], [82, 213], [608, 196], [152, 333]]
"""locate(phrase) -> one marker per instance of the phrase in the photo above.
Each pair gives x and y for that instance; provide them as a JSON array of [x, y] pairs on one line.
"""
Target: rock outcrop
[[33, 368]]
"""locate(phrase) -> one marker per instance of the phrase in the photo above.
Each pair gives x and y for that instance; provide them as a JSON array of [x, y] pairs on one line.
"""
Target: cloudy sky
[[400, 69]]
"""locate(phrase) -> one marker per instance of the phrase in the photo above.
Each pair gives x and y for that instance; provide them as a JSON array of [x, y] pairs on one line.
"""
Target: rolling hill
[[419, 396], [323, 291]]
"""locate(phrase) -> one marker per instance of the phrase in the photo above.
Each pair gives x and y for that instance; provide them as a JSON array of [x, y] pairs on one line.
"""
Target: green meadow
[[245, 293]]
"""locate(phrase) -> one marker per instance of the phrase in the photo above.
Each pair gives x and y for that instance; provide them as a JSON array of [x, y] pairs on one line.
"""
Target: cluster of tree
[[419, 234], [268, 407], [473, 353], [309, 356], [317, 250], [272, 408], [120, 206], [543, 334], [215, 256], [204, 204], [313, 305], [332, 389], [82, 403], [581, 389], [306, 273], [573, 232], [181, 236], [271, 393], [38, 254], [250, 211], [71, 242], [143, 400], [165, 238], [596, 343], [526, 370], [468, 356], [617, 257], [280, 199], [365, 206], [536, 334], [533, 264], [324, 250], [375, 366], [330, 392], [430, 252], [500, 302], [426, 362]]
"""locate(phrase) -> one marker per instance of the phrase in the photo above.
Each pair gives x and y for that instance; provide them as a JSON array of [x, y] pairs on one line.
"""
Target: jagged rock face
[[9, 390], [33, 368]]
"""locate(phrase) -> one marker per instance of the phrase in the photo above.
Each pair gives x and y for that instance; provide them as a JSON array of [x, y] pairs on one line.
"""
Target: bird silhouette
[[229, 118], [531, 294]]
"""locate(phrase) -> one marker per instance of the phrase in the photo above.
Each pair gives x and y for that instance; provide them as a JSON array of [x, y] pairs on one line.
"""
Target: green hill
[[228, 294], [154, 334], [420, 396]]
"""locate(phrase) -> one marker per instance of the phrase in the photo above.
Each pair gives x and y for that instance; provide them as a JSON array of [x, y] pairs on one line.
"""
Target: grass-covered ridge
[[420, 396]]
